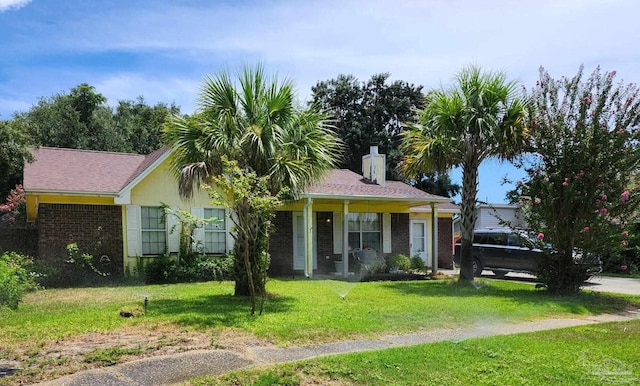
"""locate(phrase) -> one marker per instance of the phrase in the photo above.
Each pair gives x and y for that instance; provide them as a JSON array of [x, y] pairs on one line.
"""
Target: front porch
[[312, 243]]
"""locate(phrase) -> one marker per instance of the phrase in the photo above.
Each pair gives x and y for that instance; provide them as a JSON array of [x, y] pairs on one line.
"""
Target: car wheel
[[500, 274], [477, 267]]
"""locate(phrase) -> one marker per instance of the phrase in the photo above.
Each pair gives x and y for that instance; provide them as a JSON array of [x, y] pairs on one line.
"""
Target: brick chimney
[[374, 166]]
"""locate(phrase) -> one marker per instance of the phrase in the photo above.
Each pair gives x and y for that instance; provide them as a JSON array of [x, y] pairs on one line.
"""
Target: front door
[[418, 235], [298, 242]]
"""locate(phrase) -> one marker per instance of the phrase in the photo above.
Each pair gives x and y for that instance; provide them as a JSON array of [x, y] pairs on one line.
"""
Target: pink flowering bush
[[13, 205], [581, 191]]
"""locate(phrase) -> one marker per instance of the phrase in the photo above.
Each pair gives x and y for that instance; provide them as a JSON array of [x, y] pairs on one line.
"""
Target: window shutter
[[337, 233], [134, 239], [229, 223], [173, 238], [198, 233], [386, 233]]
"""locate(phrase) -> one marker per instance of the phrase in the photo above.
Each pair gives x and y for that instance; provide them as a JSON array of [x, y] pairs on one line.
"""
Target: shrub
[[196, 268], [398, 262], [16, 279], [417, 264]]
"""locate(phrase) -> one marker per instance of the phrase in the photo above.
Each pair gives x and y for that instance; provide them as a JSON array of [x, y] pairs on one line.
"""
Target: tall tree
[[253, 122], [13, 153], [80, 119], [369, 113], [582, 191], [141, 124], [478, 118]]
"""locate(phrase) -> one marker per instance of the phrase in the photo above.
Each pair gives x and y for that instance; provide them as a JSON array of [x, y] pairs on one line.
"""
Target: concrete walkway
[[174, 369]]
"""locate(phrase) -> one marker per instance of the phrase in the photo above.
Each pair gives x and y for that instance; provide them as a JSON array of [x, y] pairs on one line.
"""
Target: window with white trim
[[365, 231], [154, 231], [215, 232]]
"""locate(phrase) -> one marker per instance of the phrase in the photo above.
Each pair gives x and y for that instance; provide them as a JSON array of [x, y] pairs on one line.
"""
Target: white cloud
[[6, 5]]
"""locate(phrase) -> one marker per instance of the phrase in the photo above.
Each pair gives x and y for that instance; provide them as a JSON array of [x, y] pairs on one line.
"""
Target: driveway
[[621, 285]]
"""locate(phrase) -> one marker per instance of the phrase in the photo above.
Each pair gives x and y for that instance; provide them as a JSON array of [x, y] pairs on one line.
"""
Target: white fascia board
[[124, 196], [423, 201]]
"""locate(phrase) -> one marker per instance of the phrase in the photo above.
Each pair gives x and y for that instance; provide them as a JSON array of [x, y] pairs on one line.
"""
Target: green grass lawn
[[296, 312], [603, 354]]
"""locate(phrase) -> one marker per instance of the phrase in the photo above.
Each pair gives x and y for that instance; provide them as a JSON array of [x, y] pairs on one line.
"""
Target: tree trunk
[[468, 218]]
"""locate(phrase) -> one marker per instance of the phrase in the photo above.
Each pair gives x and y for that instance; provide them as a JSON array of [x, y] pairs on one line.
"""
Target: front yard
[[60, 331]]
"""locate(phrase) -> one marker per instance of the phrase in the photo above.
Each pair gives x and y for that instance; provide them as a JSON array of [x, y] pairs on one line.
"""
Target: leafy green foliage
[[84, 260], [199, 268], [14, 153], [254, 208], [188, 224], [582, 190], [398, 262], [255, 124], [368, 113], [480, 117], [16, 278], [417, 263]]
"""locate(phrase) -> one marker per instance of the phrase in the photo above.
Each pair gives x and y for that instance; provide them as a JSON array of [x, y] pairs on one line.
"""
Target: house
[[110, 205]]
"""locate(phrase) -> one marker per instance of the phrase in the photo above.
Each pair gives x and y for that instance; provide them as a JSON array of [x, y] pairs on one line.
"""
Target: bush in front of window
[[199, 268]]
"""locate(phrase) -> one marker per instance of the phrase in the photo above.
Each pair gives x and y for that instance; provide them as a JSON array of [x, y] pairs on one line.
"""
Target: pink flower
[[625, 242], [586, 229], [625, 234], [565, 182], [604, 197], [603, 211], [625, 195], [613, 73], [540, 236], [587, 100], [623, 267]]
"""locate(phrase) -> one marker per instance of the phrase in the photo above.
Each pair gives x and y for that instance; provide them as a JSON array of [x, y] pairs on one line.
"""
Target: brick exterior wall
[[325, 242], [445, 242], [97, 229], [281, 245], [400, 241]]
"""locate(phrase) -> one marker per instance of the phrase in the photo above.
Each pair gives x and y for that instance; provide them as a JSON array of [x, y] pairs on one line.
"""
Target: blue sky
[[162, 49]]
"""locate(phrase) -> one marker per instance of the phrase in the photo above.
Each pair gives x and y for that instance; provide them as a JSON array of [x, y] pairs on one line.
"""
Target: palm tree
[[479, 118], [255, 123]]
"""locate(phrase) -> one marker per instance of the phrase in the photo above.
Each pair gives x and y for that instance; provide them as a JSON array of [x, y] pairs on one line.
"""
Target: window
[[215, 232], [154, 232], [364, 231]]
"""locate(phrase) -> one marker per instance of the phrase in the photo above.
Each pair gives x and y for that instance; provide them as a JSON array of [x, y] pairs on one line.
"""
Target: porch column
[[345, 238], [308, 238], [434, 237]]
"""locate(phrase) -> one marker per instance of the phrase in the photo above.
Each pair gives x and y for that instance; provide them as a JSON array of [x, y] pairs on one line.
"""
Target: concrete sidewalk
[[174, 369]]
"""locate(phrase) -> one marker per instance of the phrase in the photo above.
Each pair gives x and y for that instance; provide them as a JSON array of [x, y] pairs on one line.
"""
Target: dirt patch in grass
[[49, 360], [39, 361]]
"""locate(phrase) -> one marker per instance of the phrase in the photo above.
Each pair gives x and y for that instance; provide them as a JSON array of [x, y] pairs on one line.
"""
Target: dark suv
[[504, 250]]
